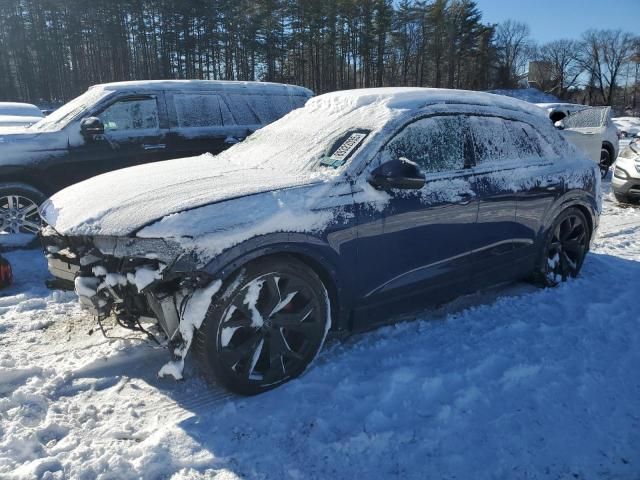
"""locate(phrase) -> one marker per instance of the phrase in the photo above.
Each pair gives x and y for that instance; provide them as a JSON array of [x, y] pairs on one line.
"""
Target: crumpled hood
[[120, 202]]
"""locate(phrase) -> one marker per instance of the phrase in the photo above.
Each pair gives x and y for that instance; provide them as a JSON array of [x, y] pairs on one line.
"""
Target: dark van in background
[[118, 125]]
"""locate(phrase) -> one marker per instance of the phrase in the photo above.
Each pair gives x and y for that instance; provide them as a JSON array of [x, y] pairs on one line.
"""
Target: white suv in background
[[625, 182], [590, 128]]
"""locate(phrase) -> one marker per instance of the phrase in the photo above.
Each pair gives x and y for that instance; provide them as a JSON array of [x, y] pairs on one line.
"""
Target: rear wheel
[[265, 327], [19, 208], [565, 248], [605, 162]]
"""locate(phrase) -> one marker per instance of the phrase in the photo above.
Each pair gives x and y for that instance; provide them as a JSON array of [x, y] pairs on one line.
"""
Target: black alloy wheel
[[266, 327], [566, 247]]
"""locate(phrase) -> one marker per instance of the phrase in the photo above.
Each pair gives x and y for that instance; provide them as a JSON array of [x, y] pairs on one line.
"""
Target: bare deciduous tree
[[514, 49], [563, 60], [604, 53]]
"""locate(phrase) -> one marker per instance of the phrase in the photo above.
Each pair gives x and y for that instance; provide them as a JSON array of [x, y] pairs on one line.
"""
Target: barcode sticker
[[348, 146]]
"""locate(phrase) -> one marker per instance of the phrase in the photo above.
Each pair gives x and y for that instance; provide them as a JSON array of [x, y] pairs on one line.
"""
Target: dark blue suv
[[361, 206]]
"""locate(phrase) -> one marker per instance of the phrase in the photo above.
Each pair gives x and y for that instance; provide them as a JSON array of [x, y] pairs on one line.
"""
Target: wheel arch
[[574, 199], [24, 176], [322, 260]]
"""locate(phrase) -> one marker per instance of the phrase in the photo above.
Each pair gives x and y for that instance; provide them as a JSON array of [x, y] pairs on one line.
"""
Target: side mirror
[[91, 126], [401, 174]]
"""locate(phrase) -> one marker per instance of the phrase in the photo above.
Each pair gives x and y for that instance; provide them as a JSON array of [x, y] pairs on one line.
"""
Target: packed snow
[[514, 382]]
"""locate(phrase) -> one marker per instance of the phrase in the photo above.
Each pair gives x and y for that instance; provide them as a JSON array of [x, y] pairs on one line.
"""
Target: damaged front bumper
[[129, 278]]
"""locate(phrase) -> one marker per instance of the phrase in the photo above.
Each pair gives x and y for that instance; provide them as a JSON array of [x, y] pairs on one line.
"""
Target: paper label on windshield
[[347, 147]]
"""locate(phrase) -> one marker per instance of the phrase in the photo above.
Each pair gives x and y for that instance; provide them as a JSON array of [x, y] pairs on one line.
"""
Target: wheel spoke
[[270, 296], [297, 321], [278, 346], [12, 202], [231, 355], [30, 208], [570, 265], [241, 307], [30, 226], [238, 322], [573, 246]]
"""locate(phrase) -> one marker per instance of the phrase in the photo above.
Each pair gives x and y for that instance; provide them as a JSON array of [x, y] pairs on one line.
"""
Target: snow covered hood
[[120, 202]]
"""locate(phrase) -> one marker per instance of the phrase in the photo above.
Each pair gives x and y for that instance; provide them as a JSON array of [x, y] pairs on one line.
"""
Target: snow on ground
[[511, 383]]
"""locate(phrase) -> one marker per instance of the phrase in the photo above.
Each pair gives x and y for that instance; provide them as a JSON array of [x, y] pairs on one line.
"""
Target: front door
[[414, 245], [135, 133]]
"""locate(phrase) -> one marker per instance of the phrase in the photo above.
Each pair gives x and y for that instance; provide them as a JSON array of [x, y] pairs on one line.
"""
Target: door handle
[[154, 146]]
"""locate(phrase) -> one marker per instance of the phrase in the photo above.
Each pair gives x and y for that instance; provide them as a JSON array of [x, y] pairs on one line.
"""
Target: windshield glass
[[303, 140], [62, 116]]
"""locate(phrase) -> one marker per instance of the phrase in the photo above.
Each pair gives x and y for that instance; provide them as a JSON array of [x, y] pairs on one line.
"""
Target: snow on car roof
[[411, 98], [206, 84]]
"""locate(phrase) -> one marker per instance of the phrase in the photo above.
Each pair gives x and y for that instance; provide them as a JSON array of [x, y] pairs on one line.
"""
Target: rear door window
[[436, 144], [131, 114], [198, 110], [499, 140]]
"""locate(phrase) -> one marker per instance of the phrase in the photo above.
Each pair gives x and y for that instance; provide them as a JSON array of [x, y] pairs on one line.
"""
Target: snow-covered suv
[[359, 206]]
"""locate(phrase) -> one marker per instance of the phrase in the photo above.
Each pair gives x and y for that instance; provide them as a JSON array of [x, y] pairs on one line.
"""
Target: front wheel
[[265, 327], [565, 248]]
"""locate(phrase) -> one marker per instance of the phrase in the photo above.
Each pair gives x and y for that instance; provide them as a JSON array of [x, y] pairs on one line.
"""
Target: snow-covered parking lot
[[514, 383]]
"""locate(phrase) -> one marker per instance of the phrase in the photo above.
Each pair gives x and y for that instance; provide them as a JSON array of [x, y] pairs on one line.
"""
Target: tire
[[565, 247], [605, 162], [265, 326], [18, 208], [621, 198]]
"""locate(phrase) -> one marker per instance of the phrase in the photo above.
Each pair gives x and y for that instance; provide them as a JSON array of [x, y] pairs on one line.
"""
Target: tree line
[[52, 50]]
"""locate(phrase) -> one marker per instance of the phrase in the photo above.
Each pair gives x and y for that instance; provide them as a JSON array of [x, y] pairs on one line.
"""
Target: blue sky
[[554, 19]]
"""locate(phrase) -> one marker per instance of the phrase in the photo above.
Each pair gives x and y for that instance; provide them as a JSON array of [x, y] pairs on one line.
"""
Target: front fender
[[336, 271]]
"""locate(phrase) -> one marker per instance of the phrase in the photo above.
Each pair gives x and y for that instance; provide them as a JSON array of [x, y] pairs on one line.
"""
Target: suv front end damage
[[130, 278]]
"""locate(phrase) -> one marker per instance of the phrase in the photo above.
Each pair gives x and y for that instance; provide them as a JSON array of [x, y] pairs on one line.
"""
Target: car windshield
[[62, 116], [304, 141]]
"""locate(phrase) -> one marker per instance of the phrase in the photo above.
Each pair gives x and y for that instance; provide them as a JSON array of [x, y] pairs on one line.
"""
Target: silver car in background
[[589, 128]]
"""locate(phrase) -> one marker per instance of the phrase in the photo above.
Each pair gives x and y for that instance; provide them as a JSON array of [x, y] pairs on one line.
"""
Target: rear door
[[135, 132], [513, 188], [201, 122], [414, 245]]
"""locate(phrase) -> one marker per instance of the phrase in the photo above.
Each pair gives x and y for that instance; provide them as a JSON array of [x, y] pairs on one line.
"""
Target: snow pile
[[512, 383]]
